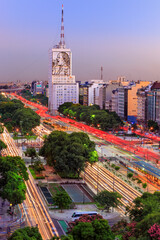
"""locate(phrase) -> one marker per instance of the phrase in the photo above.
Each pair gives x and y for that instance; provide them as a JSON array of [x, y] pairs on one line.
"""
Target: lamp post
[[113, 181], [47, 179], [21, 126], [84, 183], [97, 178]]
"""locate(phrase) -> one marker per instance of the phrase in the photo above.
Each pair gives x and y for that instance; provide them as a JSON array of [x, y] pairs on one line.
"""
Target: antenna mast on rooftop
[[101, 73], [62, 42]]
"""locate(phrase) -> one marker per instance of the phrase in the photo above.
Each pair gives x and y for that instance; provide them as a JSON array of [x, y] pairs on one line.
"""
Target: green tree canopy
[[27, 233], [142, 206], [108, 199], [95, 230], [152, 125], [68, 153], [2, 146], [26, 118], [91, 115], [62, 200], [13, 174], [14, 190], [31, 152], [15, 115], [1, 128]]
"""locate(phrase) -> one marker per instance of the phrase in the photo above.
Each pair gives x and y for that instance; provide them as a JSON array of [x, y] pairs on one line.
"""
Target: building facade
[[62, 85], [142, 105], [153, 103]]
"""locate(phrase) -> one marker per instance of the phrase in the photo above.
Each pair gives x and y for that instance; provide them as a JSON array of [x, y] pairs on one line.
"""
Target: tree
[[68, 153], [13, 114], [15, 134], [9, 126], [31, 152], [38, 166], [108, 199], [83, 231], [134, 126], [144, 185], [64, 106], [13, 173], [143, 227], [91, 115], [97, 229], [62, 200], [1, 128], [27, 233], [2, 146], [31, 117], [84, 218], [130, 175], [63, 237], [152, 125], [14, 190], [144, 205]]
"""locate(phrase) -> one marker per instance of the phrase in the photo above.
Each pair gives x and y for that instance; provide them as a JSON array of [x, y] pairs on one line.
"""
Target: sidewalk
[[66, 214], [5, 218]]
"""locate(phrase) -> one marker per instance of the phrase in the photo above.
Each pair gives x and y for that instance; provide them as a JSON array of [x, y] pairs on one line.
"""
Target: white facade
[[62, 85], [94, 91]]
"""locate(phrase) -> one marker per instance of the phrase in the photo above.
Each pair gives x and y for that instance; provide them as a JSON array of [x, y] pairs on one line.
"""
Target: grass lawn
[[70, 176], [55, 188], [25, 137], [34, 174]]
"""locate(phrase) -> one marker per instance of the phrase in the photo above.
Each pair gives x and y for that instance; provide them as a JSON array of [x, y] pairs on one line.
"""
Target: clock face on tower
[[61, 64]]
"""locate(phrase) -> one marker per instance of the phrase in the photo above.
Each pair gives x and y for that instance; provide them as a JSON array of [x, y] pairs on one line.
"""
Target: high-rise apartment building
[[153, 102], [122, 102], [62, 85], [142, 105], [132, 98]]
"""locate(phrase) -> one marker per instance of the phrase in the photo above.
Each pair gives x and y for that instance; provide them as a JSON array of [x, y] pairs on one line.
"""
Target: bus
[[76, 215]]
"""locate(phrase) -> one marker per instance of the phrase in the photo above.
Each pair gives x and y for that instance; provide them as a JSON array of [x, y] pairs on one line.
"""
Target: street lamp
[[97, 177], [113, 181], [21, 126], [47, 179]]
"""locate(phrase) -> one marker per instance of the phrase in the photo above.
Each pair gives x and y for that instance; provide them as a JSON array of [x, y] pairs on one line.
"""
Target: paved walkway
[[66, 215]]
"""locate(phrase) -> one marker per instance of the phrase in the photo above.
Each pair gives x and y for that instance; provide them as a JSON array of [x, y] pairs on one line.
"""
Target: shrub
[[117, 168]]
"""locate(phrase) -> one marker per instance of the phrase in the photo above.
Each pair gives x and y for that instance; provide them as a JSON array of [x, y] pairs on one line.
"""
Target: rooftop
[[148, 168]]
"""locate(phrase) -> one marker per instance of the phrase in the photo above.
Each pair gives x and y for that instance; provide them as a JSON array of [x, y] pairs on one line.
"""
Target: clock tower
[[62, 85]]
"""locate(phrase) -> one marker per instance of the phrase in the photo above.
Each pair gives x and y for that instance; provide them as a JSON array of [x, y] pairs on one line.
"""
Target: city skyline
[[122, 37]]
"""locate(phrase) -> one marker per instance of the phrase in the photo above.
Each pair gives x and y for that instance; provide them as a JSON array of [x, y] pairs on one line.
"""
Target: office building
[[62, 85]]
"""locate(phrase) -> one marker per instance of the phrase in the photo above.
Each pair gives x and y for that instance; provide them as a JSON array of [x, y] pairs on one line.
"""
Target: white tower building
[[62, 85]]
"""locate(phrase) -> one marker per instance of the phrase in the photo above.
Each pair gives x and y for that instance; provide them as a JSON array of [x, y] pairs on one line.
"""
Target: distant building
[[92, 92], [132, 98], [62, 85], [115, 101], [142, 105], [122, 102], [153, 102], [39, 89], [84, 93], [108, 95]]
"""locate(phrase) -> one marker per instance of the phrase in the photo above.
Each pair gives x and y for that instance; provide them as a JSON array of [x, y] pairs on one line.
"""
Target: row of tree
[[144, 216], [39, 98], [15, 116], [92, 115], [13, 173], [68, 153]]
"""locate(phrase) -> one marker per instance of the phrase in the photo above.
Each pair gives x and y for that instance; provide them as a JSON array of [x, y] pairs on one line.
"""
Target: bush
[[139, 181], [129, 175], [117, 168], [144, 185]]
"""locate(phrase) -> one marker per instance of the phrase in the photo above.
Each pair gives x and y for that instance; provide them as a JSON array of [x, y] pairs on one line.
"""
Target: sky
[[123, 36]]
